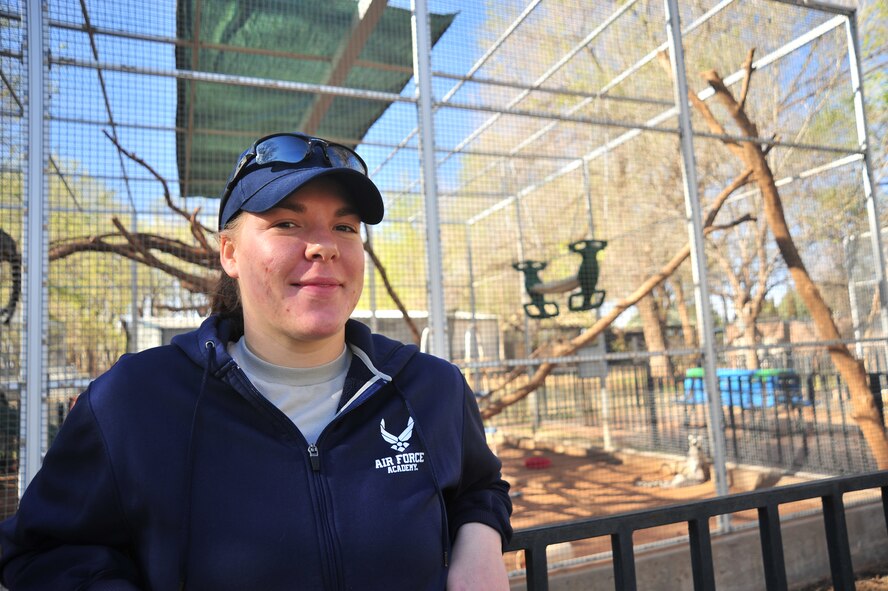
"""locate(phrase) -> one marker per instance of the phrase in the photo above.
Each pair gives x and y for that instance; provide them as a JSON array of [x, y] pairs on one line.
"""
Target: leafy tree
[[792, 307]]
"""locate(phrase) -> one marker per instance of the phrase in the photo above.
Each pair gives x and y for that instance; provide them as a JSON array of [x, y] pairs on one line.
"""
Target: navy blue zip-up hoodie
[[172, 471]]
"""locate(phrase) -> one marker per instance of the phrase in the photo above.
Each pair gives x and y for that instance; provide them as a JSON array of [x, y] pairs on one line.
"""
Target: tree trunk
[[688, 330], [863, 405], [654, 337], [749, 340]]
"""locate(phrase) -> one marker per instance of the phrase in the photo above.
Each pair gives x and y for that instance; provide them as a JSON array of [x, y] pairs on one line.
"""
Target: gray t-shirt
[[308, 395]]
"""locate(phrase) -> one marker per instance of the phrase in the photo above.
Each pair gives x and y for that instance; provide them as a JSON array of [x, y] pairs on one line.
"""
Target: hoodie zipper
[[321, 496], [328, 534], [317, 485], [314, 457]]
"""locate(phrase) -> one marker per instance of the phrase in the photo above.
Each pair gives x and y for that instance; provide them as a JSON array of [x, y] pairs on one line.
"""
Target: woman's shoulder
[[153, 370]]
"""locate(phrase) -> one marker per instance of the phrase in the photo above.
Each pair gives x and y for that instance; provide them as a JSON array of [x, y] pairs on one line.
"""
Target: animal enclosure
[[627, 222]]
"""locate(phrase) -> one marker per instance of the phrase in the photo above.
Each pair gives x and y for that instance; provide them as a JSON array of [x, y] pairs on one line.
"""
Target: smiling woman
[[289, 430]]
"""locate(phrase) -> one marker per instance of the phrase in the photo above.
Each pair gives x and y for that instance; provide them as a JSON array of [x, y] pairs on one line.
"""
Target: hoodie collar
[[381, 355]]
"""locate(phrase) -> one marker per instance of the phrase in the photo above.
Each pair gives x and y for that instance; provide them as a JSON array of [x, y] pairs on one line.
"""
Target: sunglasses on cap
[[290, 148]]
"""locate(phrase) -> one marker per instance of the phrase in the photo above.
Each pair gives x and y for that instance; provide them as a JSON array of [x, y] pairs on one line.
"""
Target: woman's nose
[[321, 247]]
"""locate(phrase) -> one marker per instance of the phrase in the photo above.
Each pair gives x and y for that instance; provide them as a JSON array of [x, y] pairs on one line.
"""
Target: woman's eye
[[285, 225]]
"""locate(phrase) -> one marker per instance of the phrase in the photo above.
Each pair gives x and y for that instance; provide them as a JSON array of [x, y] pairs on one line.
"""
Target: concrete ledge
[[737, 558]]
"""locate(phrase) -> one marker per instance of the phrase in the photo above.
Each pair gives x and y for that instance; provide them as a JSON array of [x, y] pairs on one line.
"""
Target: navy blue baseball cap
[[277, 165]]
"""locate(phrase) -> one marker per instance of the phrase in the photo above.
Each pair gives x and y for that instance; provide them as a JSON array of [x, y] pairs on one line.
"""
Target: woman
[[281, 445]]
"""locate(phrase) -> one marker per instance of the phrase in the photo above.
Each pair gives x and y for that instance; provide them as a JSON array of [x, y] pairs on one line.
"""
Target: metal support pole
[[698, 255], [533, 399], [371, 283], [872, 208], [587, 189], [134, 293], [472, 341], [849, 248], [508, 173], [603, 397], [35, 252], [422, 72]]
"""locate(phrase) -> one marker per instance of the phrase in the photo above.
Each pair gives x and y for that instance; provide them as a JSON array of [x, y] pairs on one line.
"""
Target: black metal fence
[[697, 514]]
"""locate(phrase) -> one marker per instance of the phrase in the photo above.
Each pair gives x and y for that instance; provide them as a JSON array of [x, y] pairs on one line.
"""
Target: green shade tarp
[[277, 40]]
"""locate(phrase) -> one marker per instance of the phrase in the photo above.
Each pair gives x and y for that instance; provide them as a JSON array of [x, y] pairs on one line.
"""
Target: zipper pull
[[313, 456]]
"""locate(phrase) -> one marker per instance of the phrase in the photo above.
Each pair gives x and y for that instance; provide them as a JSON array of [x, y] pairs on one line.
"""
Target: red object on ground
[[537, 463]]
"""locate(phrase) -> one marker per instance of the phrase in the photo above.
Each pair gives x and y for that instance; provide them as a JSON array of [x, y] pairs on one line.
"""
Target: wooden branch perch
[[147, 257], [176, 248]]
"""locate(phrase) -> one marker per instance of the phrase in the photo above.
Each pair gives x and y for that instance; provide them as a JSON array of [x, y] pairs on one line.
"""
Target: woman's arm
[[482, 496], [69, 531], [479, 512], [477, 562]]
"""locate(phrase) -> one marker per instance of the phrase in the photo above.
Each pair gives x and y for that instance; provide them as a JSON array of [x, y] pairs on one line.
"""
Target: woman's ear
[[228, 255]]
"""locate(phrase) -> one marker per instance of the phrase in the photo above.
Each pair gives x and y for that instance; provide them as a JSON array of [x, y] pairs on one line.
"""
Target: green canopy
[[324, 42]]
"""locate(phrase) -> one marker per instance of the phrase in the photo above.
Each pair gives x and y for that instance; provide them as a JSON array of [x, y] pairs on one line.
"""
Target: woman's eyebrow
[[346, 211], [342, 212], [296, 207]]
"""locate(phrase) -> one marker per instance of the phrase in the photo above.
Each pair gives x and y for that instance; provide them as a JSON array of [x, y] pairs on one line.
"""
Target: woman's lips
[[320, 286]]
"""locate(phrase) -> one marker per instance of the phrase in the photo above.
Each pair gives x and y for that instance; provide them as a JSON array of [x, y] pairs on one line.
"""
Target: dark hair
[[225, 301], [225, 298]]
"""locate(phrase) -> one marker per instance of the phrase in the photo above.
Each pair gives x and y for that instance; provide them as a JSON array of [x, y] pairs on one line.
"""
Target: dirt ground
[[577, 487], [865, 582]]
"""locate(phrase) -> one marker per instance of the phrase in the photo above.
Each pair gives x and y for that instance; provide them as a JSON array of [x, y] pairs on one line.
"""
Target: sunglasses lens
[[342, 156], [289, 149], [292, 149]]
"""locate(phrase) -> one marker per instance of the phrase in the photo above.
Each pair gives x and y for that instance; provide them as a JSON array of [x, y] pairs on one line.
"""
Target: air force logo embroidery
[[398, 443], [400, 462]]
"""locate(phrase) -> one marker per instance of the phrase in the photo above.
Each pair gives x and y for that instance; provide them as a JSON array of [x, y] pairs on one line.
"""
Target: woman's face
[[300, 271]]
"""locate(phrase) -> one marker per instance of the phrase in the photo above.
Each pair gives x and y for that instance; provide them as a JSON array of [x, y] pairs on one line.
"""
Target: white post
[[602, 380], [422, 73], [471, 341], [371, 283], [134, 293], [698, 255], [872, 208], [35, 252]]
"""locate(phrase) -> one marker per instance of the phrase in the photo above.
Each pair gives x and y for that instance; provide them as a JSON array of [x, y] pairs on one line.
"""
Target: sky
[[80, 145]]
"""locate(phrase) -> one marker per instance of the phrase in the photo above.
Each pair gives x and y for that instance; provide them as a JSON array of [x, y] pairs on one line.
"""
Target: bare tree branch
[[744, 90], [196, 227], [851, 369], [391, 291]]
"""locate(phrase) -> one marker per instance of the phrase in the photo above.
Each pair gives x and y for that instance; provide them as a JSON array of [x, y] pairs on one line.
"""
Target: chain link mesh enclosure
[[566, 252]]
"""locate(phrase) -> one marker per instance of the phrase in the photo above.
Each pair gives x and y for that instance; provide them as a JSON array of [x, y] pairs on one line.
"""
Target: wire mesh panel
[[568, 289], [793, 86], [552, 144], [151, 108], [13, 165]]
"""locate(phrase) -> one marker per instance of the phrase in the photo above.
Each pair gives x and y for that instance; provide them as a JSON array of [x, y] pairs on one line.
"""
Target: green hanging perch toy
[[588, 298]]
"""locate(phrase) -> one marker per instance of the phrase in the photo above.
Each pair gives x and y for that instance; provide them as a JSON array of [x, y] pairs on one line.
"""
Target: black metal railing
[[696, 514]]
